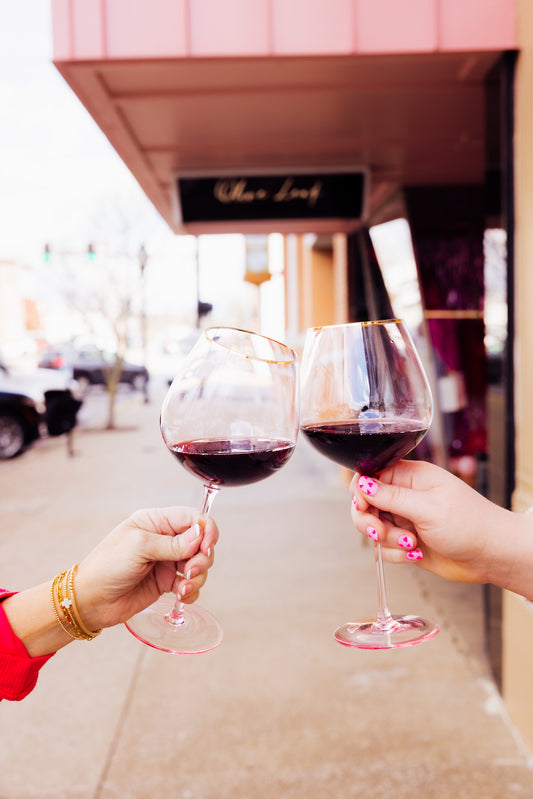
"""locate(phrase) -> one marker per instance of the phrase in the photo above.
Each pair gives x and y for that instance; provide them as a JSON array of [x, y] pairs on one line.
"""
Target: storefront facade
[[428, 101]]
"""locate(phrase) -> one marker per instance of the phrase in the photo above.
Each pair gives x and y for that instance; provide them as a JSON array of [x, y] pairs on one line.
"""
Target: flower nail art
[[368, 486], [414, 554], [405, 542], [372, 533]]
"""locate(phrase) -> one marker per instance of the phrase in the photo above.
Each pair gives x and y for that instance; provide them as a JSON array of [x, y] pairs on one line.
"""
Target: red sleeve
[[18, 671]]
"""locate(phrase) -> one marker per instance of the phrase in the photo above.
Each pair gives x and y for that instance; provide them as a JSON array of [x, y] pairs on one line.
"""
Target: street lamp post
[[143, 260], [202, 308]]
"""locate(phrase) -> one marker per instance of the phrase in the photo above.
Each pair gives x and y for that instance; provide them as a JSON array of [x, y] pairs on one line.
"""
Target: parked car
[[34, 403], [20, 421], [23, 419], [89, 367], [35, 382], [54, 359]]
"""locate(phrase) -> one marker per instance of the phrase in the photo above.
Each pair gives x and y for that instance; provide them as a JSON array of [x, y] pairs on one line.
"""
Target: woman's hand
[[432, 518], [148, 554]]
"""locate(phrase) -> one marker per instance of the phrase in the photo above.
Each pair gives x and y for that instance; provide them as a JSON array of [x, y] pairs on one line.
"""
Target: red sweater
[[18, 671]]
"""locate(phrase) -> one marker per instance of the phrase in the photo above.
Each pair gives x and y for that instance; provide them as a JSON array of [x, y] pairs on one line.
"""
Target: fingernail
[[209, 550], [183, 592], [368, 486], [354, 500], [414, 554], [188, 575], [372, 533], [405, 542], [197, 530]]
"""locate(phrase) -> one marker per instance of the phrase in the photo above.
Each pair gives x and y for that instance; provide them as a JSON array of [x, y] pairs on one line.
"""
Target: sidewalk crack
[[120, 724]]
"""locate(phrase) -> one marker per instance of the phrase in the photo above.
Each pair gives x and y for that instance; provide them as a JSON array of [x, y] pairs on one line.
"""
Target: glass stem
[[176, 617], [384, 619]]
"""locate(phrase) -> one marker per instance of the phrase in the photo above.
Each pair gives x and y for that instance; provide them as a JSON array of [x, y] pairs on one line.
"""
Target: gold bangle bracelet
[[65, 603], [64, 600], [89, 634]]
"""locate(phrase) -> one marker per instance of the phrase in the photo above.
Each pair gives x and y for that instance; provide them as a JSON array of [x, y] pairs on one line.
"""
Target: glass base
[[198, 631], [404, 631]]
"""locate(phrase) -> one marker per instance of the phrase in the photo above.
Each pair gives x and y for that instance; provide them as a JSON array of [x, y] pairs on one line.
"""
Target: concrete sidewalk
[[279, 710]]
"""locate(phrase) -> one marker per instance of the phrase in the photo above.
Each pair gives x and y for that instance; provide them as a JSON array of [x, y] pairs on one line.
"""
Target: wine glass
[[230, 418], [365, 403]]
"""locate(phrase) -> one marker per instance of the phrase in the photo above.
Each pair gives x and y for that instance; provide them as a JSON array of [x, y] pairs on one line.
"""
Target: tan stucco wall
[[517, 617], [524, 258]]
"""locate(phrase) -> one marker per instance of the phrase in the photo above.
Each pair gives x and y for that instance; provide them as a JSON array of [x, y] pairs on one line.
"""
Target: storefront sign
[[272, 197]]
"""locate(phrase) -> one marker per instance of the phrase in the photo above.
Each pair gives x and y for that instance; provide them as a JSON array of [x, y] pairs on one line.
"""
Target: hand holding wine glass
[[464, 537], [366, 403], [230, 418]]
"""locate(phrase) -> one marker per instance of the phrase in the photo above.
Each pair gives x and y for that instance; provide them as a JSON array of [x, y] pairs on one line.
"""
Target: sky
[[55, 164], [60, 177]]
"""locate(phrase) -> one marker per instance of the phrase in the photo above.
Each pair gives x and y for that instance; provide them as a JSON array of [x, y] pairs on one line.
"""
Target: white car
[[36, 382], [32, 401]]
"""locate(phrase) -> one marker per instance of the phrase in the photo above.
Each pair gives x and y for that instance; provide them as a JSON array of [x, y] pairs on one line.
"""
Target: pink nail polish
[[405, 542], [414, 554], [354, 500], [368, 486], [372, 533]]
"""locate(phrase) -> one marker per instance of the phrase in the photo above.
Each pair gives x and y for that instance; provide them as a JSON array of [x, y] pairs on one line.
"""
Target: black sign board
[[271, 197]]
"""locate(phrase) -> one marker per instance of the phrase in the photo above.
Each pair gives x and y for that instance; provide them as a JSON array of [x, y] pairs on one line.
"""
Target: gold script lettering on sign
[[289, 191], [235, 191]]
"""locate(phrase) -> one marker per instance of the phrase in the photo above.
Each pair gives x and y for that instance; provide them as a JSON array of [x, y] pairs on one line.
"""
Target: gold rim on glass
[[208, 332], [368, 323]]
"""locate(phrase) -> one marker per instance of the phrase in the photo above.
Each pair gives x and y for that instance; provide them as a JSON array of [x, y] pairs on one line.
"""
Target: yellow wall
[[322, 282]]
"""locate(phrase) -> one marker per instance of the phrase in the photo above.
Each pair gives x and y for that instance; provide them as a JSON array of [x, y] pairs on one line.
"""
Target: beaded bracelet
[[64, 600], [57, 580]]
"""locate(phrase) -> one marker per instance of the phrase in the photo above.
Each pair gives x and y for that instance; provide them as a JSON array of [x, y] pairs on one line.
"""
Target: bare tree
[[101, 285]]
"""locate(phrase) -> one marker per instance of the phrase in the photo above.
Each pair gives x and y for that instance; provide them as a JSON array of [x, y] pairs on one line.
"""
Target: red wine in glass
[[233, 462], [362, 449]]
